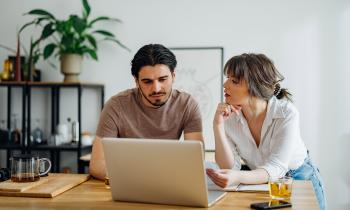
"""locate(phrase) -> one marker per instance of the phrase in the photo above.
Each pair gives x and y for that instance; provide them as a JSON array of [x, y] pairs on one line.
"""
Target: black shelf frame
[[25, 145], [10, 147]]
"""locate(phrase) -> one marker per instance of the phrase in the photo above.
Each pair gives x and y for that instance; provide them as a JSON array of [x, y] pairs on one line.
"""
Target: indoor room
[[78, 80]]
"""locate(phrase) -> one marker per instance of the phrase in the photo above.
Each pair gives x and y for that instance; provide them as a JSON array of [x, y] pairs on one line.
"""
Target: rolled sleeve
[[237, 158], [275, 168], [283, 146]]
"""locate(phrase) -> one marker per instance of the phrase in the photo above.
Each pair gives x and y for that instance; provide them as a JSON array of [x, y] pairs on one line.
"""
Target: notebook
[[241, 188], [158, 171]]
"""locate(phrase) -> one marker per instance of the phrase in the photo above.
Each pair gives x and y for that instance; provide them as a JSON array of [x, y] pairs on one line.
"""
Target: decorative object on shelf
[[55, 140], [63, 132], [86, 138], [75, 131], [56, 144], [71, 66], [5, 75], [26, 67], [4, 135], [15, 132], [72, 38], [38, 134], [17, 68]]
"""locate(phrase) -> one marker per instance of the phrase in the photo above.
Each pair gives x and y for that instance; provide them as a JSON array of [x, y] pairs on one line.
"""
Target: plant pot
[[71, 67]]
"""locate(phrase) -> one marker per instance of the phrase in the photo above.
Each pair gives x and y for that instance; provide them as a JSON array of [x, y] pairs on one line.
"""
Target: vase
[[71, 67]]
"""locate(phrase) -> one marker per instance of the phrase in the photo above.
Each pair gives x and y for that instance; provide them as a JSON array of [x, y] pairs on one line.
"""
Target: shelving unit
[[55, 87]]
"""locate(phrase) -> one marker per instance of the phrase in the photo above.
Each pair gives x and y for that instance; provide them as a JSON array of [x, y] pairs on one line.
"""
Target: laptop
[[158, 171]]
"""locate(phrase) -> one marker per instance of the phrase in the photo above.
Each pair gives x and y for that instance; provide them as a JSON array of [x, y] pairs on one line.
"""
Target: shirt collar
[[275, 108], [274, 111]]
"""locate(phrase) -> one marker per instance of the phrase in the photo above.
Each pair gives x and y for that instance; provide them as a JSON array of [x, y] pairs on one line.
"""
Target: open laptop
[[158, 171]]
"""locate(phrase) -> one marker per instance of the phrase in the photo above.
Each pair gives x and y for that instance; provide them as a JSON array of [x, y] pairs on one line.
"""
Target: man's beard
[[158, 103]]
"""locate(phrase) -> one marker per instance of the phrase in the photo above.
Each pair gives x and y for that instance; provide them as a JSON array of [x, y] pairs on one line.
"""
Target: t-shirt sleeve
[[193, 122], [108, 125]]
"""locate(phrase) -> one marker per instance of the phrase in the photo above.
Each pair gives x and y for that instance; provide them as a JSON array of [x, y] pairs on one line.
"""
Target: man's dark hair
[[151, 55]]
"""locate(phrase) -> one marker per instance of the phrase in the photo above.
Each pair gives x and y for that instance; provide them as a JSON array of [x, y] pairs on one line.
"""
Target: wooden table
[[94, 195]]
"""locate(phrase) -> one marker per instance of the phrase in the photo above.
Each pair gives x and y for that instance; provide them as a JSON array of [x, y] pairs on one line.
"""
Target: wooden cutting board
[[10, 186], [46, 187]]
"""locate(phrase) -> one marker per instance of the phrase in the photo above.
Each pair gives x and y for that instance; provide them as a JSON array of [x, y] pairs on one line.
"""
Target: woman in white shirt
[[259, 124]]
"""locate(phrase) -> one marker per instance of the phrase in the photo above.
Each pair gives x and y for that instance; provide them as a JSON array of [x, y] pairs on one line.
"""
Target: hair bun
[[277, 89]]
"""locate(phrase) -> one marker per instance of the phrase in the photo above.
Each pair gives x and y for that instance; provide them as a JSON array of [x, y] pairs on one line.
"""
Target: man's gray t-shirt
[[126, 116]]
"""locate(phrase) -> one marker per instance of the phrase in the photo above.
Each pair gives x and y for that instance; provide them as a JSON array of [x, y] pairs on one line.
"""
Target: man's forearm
[[97, 166]]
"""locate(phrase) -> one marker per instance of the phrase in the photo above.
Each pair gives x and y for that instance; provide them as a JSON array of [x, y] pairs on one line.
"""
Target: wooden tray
[[9, 186], [46, 187]]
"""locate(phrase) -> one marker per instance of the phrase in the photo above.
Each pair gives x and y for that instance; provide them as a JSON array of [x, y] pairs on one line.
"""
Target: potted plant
[[72, 38]]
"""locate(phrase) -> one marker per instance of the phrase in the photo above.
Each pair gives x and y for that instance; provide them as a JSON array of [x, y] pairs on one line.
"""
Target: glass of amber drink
[[280, 188]]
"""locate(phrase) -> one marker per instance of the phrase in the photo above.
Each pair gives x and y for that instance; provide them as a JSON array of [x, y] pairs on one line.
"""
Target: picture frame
[[199, 72]]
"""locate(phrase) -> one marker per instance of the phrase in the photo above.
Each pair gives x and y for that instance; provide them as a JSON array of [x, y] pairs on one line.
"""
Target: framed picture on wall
[[199, 72]]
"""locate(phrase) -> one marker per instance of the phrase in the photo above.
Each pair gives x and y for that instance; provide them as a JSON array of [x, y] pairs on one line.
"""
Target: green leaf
[[48, 50], [119, 43], [41, 12], [104, 18], [61, 27], [36, 42], [47, 31], [78, 24], [26, 25], [103, 32], [87, 8], [92, 41], [38, 21], [92, 53], [67, 41]]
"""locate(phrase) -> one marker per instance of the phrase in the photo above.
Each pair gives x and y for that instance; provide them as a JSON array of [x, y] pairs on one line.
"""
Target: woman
[[259, 124]]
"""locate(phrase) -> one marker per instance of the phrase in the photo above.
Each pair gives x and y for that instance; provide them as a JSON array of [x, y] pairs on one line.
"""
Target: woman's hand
[[223, 177], [224, 111]]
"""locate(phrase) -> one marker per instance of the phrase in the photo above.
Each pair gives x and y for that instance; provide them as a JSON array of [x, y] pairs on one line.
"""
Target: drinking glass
[[26, 168], [280, 187]]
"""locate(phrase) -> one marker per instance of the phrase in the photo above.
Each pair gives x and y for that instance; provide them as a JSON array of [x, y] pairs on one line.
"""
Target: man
[[151, 110]]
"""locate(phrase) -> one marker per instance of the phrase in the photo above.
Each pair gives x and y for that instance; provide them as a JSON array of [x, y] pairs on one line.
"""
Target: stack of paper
[[240, 187], [233, 187]]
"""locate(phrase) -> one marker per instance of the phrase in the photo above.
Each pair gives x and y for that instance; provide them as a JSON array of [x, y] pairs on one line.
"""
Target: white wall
[[308, 40]]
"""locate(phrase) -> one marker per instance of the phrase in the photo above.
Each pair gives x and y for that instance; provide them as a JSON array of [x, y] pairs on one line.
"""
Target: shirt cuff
[[275, 169]]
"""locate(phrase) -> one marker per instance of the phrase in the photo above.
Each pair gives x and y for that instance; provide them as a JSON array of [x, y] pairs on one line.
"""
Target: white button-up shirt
[[281, 147]]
